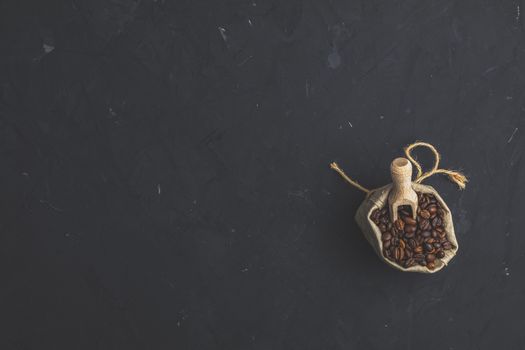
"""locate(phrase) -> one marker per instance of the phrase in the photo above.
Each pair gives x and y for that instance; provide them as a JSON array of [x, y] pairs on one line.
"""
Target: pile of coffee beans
[[408, 242]]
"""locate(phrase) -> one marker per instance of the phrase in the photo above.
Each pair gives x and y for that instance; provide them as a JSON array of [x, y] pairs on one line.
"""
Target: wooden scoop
[[402, 192]]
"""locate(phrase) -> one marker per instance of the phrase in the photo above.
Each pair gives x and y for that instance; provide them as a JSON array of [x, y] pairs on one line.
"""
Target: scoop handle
[[402, 192], [401, 172]]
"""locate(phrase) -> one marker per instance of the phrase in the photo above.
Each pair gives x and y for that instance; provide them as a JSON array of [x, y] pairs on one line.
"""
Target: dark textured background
[[164, 179]]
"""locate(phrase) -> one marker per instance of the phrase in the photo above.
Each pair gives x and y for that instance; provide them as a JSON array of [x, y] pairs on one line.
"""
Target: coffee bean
[[412, 243], [409, 221], [398, 253], [410, 234], [446, 245], [425, 234], [386, 244], [436, 222], [440, 254], [431, 265], [409, 262], [428, 247], [382, 227], [410, 229], [424, 214], [404, 212], [418, 249], [435, 234], [408, 252], [400, 224], [437, 245], [424, 225], [386, 237], [430, 257], [402, 244]]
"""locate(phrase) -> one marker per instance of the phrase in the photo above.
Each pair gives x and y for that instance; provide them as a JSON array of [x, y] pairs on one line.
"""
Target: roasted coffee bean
[[409, 221], [440, 254], [432, 209], [402, 244], [412, 243], [410, 229], [400, 224], [426, 234], [409, 262], [441, 213], [424, 214], [435, 234], [410, 234], [408, 252], [428, 247], [431, 265], [397, 253], [425, 225], [430, 257], [446, 245], [386, 244], [436, 222], [418, 249], [404, 212], [389, 226], [386, 237], [437, 245], [382, 227]]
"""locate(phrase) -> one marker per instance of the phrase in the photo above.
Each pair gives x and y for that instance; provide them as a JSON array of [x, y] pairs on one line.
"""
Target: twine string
[[354, 183], [453, 175]]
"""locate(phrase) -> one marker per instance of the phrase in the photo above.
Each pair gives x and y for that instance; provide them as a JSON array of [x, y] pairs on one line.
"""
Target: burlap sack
[[377, 199]]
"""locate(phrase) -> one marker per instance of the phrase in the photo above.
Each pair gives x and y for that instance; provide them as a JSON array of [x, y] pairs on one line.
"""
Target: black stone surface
[[165, 182]]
